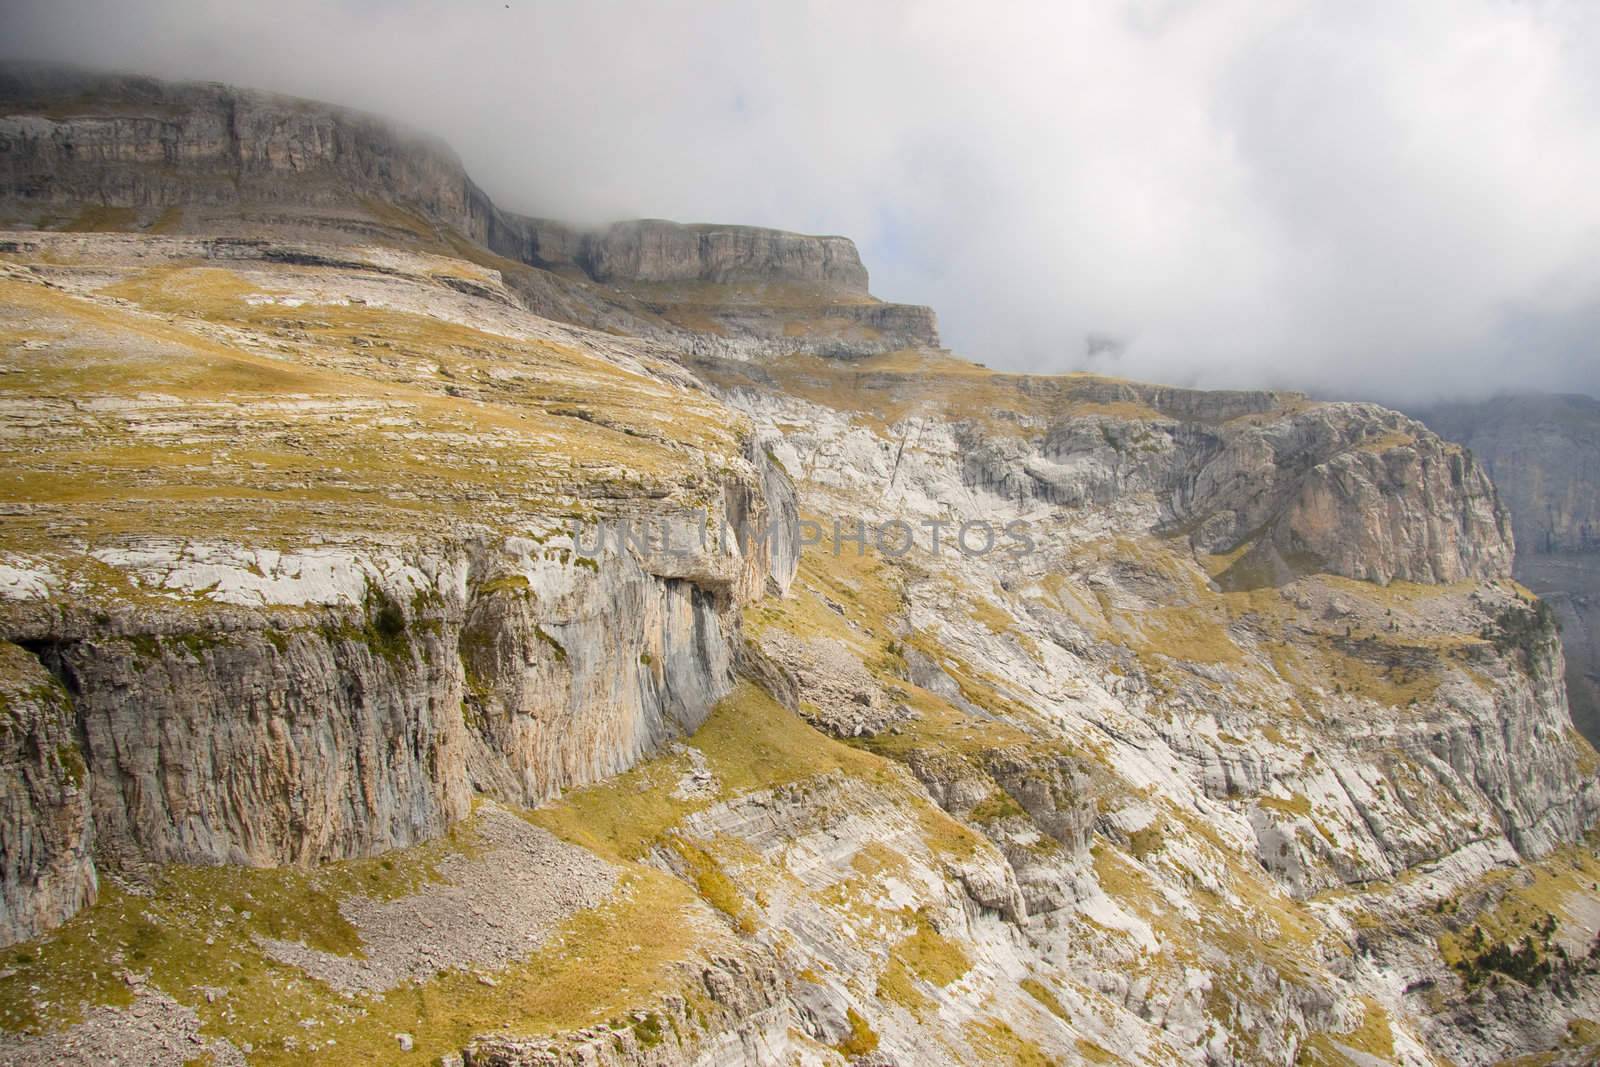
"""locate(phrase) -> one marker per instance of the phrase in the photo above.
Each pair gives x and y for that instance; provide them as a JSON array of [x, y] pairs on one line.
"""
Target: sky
[[1388, 200]]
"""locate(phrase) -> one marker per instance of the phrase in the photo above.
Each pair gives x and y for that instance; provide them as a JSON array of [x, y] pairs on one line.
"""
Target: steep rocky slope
[[377, 685], [1544, 453]]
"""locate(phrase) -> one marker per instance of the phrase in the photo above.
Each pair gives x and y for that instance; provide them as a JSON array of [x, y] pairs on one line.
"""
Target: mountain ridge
[[160, 152]]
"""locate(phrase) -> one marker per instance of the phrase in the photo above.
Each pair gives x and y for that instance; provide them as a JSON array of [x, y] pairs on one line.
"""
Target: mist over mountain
[[1375, 200]]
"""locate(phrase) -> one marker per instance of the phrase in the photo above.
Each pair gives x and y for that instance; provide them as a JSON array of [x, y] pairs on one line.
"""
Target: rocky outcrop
[[654, 250], [1180, 656], [46, 835], [1345, 488], [1544, 453], [220, 736], [572, 678], [73, 137], [782, 541], [659, 251]]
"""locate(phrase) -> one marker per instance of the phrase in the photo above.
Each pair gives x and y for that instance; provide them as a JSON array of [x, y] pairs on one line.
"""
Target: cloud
[[1382, 199]]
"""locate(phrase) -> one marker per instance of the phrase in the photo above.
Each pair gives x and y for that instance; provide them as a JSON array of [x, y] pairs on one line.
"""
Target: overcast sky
[[1385, 199]]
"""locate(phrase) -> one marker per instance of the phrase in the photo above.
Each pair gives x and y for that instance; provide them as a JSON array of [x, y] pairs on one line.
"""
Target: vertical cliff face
[[1543, 451], [301, 735], [213, 746], [46, 834], [74, 137], [628, 662], [1347, 489], [652, 250]]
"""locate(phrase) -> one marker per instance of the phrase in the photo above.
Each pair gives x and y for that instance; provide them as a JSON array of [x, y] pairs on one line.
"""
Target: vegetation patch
[[1296, 806], [1372, 1039], [1518, 936], [861, 1039], [339, 440], [507, 584], [930, 955], [1147, 841], [555, 646], [199, 932], [1041, 992], [713, 883], [1003, 1045], [997, 805], [749, 741]]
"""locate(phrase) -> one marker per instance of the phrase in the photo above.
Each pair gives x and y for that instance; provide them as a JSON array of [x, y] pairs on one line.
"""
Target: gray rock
[[1544, 455], [46, 835]]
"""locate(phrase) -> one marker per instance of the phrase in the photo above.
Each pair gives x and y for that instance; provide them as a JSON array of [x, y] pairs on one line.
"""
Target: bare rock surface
[[834, 691], [46, 835], [1544, 454]]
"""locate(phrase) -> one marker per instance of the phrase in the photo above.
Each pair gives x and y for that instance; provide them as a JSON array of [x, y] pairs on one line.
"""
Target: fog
[[1398, 201]]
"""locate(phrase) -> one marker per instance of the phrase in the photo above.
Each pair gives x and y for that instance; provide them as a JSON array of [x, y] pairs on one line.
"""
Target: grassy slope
[[201, 412]]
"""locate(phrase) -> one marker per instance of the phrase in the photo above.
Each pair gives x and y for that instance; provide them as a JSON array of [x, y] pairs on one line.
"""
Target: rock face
[[1350, 489], [1544, 454], [1297, 611], [349, 691], [743, 1017], [224, 737], [75, 137], [1362, 494], [651, 250], [46, 835]]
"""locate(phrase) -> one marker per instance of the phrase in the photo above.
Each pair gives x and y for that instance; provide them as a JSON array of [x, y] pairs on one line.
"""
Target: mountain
[[432, 634], [88, 150], [1544, 454]]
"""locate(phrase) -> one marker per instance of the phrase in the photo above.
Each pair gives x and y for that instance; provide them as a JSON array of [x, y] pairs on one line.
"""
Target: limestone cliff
[[219, 735], [287, 675], [46, 835], [654, 250], [1348, 490], [1245, 618]]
